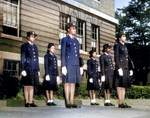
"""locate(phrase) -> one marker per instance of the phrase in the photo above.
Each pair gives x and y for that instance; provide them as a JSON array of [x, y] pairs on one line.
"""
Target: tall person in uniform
[[30, 68], [51, 74], [122, 70], [93, 78], [71, 69], [107, 73]]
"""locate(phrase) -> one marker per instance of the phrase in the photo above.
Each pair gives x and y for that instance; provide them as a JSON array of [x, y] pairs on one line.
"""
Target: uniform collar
[[105, 53], [122, 43], [93, 58], [30, 43], [51, 54], [71, 36]]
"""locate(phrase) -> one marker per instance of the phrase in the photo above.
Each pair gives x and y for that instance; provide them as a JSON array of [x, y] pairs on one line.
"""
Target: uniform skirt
[[95, 84], [52, 84], [123, 81], [109, 79], [32, 79], [73, 75]]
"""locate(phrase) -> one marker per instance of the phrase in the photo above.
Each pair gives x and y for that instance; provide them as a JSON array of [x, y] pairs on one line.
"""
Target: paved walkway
[[83, 112]]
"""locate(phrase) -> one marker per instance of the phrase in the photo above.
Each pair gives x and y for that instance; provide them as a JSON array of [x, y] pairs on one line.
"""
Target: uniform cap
[[31, 33], [70, 24]]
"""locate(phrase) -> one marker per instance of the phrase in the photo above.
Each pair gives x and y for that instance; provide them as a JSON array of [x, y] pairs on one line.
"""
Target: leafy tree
[[134, 21]]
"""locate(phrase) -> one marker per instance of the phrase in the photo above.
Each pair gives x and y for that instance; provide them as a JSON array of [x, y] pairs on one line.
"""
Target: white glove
[[64, 70], [81, 70], [91, 80], [24, 73], [58, 79], [47, 78], [99, 81], [120, 71], [131, 72], [103, 78], [38, 73]]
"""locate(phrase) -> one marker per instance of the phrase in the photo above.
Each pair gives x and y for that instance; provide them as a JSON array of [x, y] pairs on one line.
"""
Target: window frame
[[81, 37], [10, 70], [95, 40], [6, 22], [63, 30]]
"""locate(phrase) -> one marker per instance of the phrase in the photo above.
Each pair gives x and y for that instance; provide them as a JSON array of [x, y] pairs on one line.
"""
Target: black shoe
[[75, 106], [49, 104], [107, 104], [27, 105], [121, 106], [33, 105], [53, 104], [127, 106], [92, 103], [68, 106], [111, 104], [96, 103]]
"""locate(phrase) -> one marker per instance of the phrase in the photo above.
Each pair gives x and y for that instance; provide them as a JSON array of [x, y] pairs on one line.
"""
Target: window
[[11, 17], [63, 20], [11, 67], [95, 38], [81, 33]]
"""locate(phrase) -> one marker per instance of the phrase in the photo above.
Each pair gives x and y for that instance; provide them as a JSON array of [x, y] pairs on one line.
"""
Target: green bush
[[134, 92]]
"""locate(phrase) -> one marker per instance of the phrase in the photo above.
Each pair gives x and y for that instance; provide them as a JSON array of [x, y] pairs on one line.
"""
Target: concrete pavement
[[83, 112]]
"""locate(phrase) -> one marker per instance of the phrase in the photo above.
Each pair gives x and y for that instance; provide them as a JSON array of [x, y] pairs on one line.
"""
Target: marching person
[[51, 74], [30, 68], [122, 70], [71, 69], [107, 73], [93, 78]]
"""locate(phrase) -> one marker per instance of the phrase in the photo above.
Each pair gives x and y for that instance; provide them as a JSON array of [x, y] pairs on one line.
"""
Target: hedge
[[10, 88]]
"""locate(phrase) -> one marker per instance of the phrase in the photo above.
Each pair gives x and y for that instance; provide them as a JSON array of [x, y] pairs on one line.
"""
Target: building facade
[[48, 18]]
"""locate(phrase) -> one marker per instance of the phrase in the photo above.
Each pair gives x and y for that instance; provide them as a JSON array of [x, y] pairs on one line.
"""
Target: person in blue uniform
[[51, 74], [122, 70], [71, 69], [93, 78], [107, 73], [30, 68]]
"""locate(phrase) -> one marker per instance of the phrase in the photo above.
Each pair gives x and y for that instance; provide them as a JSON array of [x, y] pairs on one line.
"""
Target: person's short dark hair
[[105, 46], [91, 52], [49, 46]]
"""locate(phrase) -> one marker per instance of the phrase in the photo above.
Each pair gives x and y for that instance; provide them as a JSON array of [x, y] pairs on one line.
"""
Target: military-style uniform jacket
[[69, 51], [106, 64], [92, 68], [29, 57], [121, 56], [50, 64]]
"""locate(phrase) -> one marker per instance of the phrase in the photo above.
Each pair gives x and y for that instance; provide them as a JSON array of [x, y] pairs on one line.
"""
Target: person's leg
[[48, 94], [123, 94], [105, 94], [108, 94], [51, 98], [51, 95], [67, 92], [119, 94], [72, 90], [94, 97], [31, 90], [26, 94], [91, 96]]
